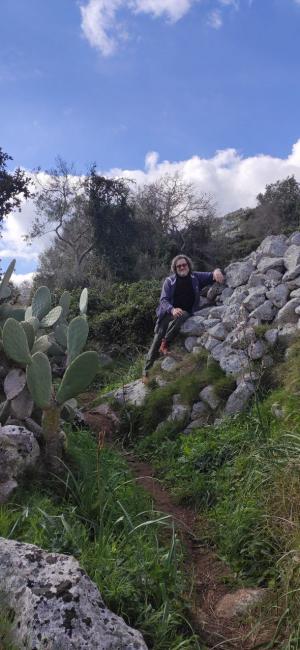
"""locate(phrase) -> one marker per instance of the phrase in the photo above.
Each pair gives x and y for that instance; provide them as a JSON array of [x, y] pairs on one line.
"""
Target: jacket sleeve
[[204, 278], [165, 306]]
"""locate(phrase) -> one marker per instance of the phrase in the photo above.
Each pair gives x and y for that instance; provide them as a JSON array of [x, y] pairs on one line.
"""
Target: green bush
[[123, 314]]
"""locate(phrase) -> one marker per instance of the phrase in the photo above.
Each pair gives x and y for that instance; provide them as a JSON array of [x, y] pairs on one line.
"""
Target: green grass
[[243, 477], [99, 515]]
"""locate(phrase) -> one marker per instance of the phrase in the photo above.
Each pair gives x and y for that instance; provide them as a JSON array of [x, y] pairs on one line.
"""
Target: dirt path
[[209, 576]]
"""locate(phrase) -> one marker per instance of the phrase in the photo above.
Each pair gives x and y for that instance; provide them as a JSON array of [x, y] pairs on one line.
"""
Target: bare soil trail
[[210, 578]]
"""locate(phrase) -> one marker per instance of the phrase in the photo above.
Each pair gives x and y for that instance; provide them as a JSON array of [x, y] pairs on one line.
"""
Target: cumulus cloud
[[100, 18], [18, 278], [230, 178]]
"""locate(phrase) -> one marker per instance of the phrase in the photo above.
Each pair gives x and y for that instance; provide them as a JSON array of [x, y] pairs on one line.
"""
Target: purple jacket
[[200, 279]]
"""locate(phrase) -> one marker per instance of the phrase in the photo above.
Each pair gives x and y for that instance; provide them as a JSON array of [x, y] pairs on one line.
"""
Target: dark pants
[[166, 328]]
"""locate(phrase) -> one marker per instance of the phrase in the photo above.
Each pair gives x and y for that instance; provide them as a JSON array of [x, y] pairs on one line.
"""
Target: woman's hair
[[180, 257]]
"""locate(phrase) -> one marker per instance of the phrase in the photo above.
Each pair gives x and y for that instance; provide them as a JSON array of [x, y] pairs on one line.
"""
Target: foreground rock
[[55, 605], [133, 393], [239, 602], [19, 452]]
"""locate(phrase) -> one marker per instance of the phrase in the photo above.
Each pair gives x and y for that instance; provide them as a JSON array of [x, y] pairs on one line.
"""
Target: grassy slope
[[244, 477], [99, 515]]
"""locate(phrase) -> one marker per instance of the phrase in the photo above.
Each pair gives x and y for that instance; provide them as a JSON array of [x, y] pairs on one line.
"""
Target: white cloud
[[101, 27], [230, 178], [215, 19], [18, 278]]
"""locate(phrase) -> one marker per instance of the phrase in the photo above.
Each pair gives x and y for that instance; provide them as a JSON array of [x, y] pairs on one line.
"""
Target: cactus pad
[[78, 376], [52, 317], [15, 342], [41, 303], [64, 302], [29, 331], [39, 380], [6, 279], [83, 301], [77, 335]]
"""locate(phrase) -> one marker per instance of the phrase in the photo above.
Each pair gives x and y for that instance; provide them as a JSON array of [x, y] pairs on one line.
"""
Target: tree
[[61, 208], [173, 217], [113, 222], [13, 187], [283, 199]]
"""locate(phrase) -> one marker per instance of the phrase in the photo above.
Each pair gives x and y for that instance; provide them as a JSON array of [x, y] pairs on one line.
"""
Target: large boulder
[[265, 312], [19, 452], [272, 246], [193, 326], [239, 399], [287, 314], [238, 273], [54, 604], [180, 410], [267, 263], [208, 396], [292, 258], [278, 295], [256, 297], [134, 393]]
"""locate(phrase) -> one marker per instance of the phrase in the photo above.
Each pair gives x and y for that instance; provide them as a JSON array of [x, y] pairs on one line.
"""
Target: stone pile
[[264, 288]]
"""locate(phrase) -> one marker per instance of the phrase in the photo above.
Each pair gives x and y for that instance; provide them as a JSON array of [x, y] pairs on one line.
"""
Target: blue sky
[[111, 80]]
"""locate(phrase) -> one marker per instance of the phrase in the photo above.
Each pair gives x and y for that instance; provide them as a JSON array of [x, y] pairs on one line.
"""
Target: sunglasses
[[181, 266]]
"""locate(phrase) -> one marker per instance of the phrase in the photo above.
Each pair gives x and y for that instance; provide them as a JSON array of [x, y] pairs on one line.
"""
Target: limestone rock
[[218, 332], [133, 393], [190, 342], [195, 424], [239, 399], [256, 297], [238, 273], [294, 238], [239, 602], [238, 296], [272, 246], [56, 605], [264, 312], [211, 322], [210, 343], [287, 333], [226, 293], [273, 277], [233, 362], [278, 295], [267, 263], [19, 452], [271, 336], [208, 396], [287, 314], [216, 312], [256, 280], [199, 412], [256, 350], [193, 326], [292, 258], [180, 411], [168, 364], [291, 275]]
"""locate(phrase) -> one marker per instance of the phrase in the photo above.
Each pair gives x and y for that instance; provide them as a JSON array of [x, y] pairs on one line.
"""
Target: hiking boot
[[164, 348]]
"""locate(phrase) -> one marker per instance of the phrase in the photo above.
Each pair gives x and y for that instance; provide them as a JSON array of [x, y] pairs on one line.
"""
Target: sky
[[143, 87]]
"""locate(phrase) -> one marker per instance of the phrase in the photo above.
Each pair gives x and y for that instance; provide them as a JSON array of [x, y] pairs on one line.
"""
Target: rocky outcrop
[[54, 604], [19, 452]]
